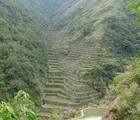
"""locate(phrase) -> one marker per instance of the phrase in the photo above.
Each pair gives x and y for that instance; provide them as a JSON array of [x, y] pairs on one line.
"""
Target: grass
[[58, 99], [93, 112]]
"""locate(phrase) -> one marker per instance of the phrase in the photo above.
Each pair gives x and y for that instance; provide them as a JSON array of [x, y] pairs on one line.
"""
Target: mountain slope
[[23, 62], [125, 91], [93, 22], [93, 40], [101, 35]]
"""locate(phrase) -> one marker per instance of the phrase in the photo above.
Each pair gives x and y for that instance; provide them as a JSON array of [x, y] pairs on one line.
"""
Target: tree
[[135, 4], [22, 108]]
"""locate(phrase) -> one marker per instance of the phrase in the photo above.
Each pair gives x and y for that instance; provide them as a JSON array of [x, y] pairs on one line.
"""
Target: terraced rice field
[[64, 90]]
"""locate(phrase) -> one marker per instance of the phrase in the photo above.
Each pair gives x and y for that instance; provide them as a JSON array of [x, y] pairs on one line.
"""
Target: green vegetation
[[87, 44], [93, 112], [100, 24], [135, 4], [99, 75], [127, 89], [105, 30], [21, 108], [23, 62]]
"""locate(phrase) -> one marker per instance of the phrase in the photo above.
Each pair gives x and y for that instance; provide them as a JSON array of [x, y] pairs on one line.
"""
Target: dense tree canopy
[[126, 87], [23, 62]]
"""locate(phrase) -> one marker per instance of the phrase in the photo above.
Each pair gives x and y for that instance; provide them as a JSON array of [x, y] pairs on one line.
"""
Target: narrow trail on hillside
[[82, 113]]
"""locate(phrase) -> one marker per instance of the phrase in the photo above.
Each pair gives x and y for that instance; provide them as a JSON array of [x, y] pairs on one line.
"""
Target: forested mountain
[[66, 49], [104, 28], [101, 22], [23, 62], [96, 23]]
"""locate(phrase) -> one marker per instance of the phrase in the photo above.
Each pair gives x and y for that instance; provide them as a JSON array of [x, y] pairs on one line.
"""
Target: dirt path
[[88, 118], [82, 114]]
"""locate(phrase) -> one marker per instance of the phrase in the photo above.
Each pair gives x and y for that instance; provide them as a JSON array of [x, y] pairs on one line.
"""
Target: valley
[[64, 90], [66, 54]]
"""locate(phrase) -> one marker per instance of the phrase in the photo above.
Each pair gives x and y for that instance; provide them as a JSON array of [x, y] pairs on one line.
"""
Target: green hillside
[[66, 53], [102, 23], [124, 92], [23, 62], [101, 29]]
